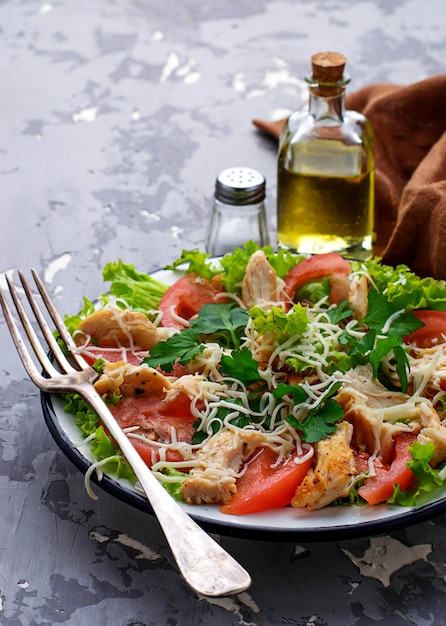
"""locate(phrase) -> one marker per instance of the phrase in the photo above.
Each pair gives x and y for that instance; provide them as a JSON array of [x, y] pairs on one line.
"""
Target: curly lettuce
[[403, 288]]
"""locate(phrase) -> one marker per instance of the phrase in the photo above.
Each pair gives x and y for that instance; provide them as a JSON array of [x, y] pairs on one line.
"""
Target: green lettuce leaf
[[404, 289], [72, 321], [173, 487], [427, 478], [314, 291], [196, 262], [101, 445], [140, 291], [282, 324]]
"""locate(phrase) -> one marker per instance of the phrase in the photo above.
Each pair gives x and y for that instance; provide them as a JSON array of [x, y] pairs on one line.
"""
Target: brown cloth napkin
[[410, 150]]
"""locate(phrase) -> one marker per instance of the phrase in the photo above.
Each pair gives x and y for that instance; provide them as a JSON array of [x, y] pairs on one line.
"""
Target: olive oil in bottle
[[325, 183]]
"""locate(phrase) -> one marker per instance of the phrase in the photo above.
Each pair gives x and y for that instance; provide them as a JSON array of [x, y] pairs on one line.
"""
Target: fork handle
[[202, 562]]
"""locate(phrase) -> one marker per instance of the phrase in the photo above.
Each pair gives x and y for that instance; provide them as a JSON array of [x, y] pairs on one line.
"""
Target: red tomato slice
[[150, 453], [379, 488], [262, 487], [432, 333], [156, 416], [187, 296], [313, 268], [94, 353], [362, 461]]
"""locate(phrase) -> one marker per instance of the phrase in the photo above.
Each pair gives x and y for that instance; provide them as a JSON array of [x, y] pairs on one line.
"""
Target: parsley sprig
[[382, 338], [222, 323], [320, 421], [242, 366]]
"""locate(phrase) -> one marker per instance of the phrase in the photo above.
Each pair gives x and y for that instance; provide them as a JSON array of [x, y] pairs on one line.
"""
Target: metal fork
[[204, 565]]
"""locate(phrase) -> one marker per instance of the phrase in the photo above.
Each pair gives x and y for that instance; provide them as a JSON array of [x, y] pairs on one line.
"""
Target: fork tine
[[46, 331], [23, 351], [59, 323]]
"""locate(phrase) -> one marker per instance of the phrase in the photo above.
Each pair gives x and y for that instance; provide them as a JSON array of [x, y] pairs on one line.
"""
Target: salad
[[265, 379]]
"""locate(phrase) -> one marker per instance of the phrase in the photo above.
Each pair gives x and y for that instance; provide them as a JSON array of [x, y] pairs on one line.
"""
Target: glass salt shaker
[[238, 212]]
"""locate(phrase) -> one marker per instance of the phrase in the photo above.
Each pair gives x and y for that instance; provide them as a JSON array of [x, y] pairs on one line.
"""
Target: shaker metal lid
[[240, 186]]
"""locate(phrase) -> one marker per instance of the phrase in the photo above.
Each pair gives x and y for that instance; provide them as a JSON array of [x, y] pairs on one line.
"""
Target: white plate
[[339, 522]]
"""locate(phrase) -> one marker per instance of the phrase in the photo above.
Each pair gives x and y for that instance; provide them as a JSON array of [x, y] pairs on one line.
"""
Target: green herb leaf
[[340, 312], [237, 418], [219, 322], [380, 309], [321, 422], [297, 392], [223, 321], [181, 347], [372, 350], [383, 347], [242, 366], [402, 366]]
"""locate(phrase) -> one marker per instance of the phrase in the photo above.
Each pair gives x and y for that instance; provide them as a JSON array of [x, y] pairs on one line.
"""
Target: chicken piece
[[131, 380], [353, 288], [261, 286], [188, 384], [432, 430], [112, 328], [376, 413], [334, 473], [218, 463], [263, 349], [358, 296], [427, 374], [375, 395], [437, 436], [372, 410]]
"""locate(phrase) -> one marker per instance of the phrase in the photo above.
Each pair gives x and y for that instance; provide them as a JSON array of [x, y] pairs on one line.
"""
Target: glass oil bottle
[[325, 184]]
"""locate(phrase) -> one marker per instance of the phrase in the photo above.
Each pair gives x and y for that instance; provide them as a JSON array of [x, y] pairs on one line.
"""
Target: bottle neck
[[329, 106]]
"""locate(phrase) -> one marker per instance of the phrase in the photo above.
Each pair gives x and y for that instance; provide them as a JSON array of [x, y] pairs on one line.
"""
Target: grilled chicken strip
[[375, 412], [432, 430], [212, 480], [131, 380], [261, 286], [334, 473], [112, 328]]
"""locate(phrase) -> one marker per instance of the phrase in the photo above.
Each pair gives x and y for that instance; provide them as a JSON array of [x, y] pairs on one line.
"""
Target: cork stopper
[[327, 72]]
